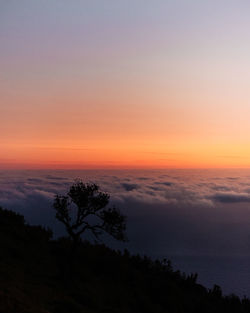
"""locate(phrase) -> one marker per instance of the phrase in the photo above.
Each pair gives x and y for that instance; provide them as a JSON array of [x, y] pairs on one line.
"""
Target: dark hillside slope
[[38, 275]]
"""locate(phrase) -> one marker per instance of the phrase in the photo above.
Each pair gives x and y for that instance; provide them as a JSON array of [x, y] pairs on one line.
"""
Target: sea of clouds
[[170, 212], [200, 219]]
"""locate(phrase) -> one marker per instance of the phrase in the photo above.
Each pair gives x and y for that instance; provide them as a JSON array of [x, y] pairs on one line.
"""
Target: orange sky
[[124, 86]]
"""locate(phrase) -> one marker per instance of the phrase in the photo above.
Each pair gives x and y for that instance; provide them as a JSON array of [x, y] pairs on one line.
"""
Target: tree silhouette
[[84, 208]]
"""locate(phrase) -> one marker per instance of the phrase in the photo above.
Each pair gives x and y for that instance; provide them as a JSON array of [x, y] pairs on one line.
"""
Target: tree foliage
[[84, 208]]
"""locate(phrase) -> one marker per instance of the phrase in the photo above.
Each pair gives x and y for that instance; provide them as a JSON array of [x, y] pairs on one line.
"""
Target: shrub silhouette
[[13, 224], [84, 208]]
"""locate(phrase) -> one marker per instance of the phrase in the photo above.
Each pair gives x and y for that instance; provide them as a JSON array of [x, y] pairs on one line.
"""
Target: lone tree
[[84, 208]]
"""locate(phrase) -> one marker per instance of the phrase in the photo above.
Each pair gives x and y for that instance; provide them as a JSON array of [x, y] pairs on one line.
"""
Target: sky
[[124, 84]]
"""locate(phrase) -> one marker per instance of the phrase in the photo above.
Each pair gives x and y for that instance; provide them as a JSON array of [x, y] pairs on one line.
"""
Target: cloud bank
[[169, 212]]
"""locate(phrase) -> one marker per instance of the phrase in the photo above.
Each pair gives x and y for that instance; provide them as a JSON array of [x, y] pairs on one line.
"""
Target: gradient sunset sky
[[124, 84]]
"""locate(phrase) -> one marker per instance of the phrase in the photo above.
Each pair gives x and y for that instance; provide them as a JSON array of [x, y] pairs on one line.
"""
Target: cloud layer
[[169, 212]]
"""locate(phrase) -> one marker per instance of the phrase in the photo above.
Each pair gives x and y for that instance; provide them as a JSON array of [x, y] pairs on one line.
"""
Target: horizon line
[[116, 168]]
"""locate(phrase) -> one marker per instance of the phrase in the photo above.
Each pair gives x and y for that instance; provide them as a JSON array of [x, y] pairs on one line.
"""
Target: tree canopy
[[84, 208]]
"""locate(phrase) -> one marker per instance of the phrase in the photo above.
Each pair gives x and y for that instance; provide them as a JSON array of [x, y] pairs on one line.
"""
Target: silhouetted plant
[[14, 224], [84, 208]]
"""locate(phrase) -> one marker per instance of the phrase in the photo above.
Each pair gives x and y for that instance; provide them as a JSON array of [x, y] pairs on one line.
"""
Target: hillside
[[38, 274]]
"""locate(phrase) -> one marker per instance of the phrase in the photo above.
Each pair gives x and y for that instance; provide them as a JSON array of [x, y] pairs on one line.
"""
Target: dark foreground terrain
[[38, 275]]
